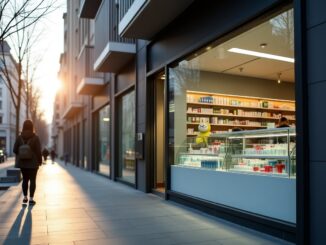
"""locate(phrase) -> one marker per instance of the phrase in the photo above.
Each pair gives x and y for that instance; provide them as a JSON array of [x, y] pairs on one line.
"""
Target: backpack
[[25, 151]]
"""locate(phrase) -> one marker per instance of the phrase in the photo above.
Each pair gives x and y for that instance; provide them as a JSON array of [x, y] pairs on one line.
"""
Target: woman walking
[[28, 158]]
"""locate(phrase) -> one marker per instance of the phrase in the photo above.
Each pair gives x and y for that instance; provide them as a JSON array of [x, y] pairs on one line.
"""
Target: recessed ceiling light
[[263, 45], [106, 119], [260, 54], [279, 78], [208, 47]]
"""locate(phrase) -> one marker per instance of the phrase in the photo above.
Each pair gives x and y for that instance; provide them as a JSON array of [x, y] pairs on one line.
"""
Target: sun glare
[[57, 85], [49, 91]]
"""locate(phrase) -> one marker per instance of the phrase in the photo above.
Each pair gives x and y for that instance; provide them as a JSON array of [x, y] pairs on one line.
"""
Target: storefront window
[[232, 120], [127, 137], [104, 140]]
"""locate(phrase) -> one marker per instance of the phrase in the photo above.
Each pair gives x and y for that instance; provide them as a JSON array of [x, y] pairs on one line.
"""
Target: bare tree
[[18, 19], [37, 115], [34, 103], [22, 41], [42, 128], [16, 15], [31, 95]]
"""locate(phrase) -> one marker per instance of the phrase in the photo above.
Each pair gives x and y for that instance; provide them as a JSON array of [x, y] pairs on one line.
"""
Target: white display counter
[[269, 196]]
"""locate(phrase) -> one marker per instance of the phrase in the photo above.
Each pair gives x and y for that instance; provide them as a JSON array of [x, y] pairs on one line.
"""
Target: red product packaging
[[280, 167], [268, 168]]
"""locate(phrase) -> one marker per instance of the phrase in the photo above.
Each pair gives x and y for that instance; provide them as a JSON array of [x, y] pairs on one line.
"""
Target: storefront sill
[[158, 193], [126, 183], [277, 228], [103, 175]]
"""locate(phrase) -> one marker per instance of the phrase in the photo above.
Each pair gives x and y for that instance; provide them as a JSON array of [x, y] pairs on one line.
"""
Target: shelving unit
[[262, 157], [234, 116], [225, 112], [229, 125], [242, 107]]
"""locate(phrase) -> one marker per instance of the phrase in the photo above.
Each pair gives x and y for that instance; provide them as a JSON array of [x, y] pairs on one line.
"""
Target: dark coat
[[34, 142]]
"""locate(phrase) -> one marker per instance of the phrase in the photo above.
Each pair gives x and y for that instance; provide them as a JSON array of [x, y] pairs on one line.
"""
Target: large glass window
[[104, 140], [232, 112], [127, 137]]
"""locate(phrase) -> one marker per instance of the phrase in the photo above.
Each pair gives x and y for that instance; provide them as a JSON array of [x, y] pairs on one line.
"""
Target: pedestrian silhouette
[[66, 158], [28, 158], [45, 154], [53, 155]]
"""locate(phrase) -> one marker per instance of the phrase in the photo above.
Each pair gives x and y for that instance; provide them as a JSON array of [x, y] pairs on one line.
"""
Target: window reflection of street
[[104, 140], [127, 137]]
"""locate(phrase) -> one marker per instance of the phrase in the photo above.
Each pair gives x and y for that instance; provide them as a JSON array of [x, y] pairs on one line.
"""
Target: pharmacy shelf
[[241, 107], [234, 116], [201, 154], [229, 125], [261, 157], [285, 107]]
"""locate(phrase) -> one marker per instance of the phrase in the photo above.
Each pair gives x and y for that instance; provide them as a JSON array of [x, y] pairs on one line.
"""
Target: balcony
[[114, 56], [89, 8], [90, 81], [60, 125], [152, 14], [72, 110], [112, 52], [63, 57]]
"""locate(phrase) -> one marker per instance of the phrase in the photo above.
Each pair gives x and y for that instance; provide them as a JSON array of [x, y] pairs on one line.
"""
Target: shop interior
[[158, 89], [238, 89], [232, 121]]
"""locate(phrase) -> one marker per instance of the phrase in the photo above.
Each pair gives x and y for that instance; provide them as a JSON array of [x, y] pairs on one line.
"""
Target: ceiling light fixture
[[263, 45], [106, 119], [279, 78], [208, 47], [261, 55]]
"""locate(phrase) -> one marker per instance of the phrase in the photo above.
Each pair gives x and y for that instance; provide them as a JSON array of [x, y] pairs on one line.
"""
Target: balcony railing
[[124, 6], [89, 8], [89, 80], [85, 63], [73, 108], [111, 50], [143, 19]]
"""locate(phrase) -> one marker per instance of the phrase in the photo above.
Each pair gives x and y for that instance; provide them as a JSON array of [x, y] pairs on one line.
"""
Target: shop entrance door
[[159, 136]]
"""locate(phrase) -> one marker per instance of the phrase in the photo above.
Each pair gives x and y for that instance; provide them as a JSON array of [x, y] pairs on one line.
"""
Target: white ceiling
[[276, 33]]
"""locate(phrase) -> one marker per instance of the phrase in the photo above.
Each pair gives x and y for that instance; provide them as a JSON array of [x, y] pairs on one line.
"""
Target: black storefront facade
[[145, 80], [188, 34]]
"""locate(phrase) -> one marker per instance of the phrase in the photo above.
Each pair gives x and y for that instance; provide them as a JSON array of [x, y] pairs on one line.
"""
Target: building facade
[[7, 109], [183, 99]]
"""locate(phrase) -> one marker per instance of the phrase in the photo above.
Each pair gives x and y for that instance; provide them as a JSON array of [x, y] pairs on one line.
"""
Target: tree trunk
[[18, 99], [17, 120], [27, 102]]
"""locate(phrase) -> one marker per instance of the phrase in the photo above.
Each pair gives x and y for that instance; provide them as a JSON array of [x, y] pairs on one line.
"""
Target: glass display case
[[264, 152]]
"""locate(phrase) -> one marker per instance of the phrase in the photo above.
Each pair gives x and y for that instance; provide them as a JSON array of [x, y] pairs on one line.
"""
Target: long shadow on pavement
[[18, 235]]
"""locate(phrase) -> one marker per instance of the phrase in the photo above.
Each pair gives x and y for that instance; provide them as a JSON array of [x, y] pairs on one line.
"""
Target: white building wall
[[7, 110]]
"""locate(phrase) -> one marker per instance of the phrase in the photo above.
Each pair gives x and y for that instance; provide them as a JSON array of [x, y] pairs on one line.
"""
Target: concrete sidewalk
[[78, 207]]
